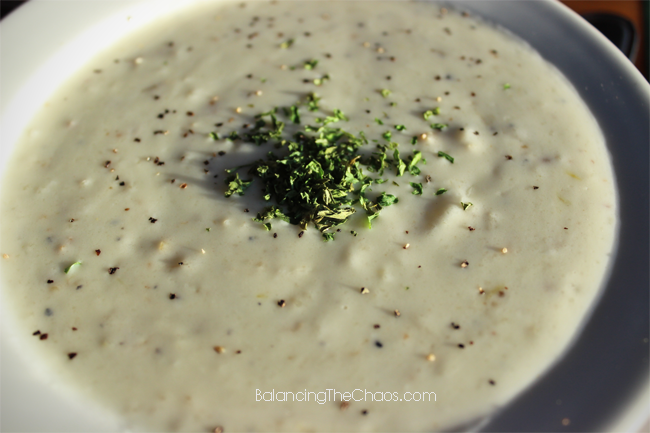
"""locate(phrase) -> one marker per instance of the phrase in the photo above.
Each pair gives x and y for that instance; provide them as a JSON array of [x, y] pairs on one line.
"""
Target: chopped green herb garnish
[[379, 122], [412, 167], [399, 164], [207, 229], [417, 188], [386, 200], [387, 135], [385, 93], [268, 227], [430, 113], [441, 191], [400, 127], [354, 233], [286, 44], [214, 136], [69, 268], [414, 140], [466, 205], [233, 136], [449, 158], [321, 80], [338, 115], [328, 237], [292, 113], [312, 102], [506, 86], [311, 64], [236, 185], [438, 126], [315, 175], [370, 218]]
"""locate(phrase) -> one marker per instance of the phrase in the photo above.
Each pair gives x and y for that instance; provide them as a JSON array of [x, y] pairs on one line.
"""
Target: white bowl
[[601, 383]]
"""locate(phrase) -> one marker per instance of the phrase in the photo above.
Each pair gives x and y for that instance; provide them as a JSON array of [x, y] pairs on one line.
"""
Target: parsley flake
[[386, 200], [449, 158], [292, 113], [321, 80], [429, 113], [416, 158], [441, 191], [287, 44], [385, 93], [311, 64], [466, 205], [438, 126], [399, 164], [69, 268], [417, 188], [236, 185], [312, 102]]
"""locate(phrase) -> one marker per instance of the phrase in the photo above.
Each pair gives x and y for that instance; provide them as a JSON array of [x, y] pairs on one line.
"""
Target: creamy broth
[[182, 311]]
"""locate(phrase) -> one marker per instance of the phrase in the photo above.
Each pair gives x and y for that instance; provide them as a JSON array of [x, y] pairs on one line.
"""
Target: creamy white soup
[[450, 203]]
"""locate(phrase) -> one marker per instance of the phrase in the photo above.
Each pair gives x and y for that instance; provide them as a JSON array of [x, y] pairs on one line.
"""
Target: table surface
[[633, 10]]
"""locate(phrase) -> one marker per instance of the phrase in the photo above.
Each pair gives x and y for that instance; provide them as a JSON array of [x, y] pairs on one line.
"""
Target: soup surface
[[139, 276]]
